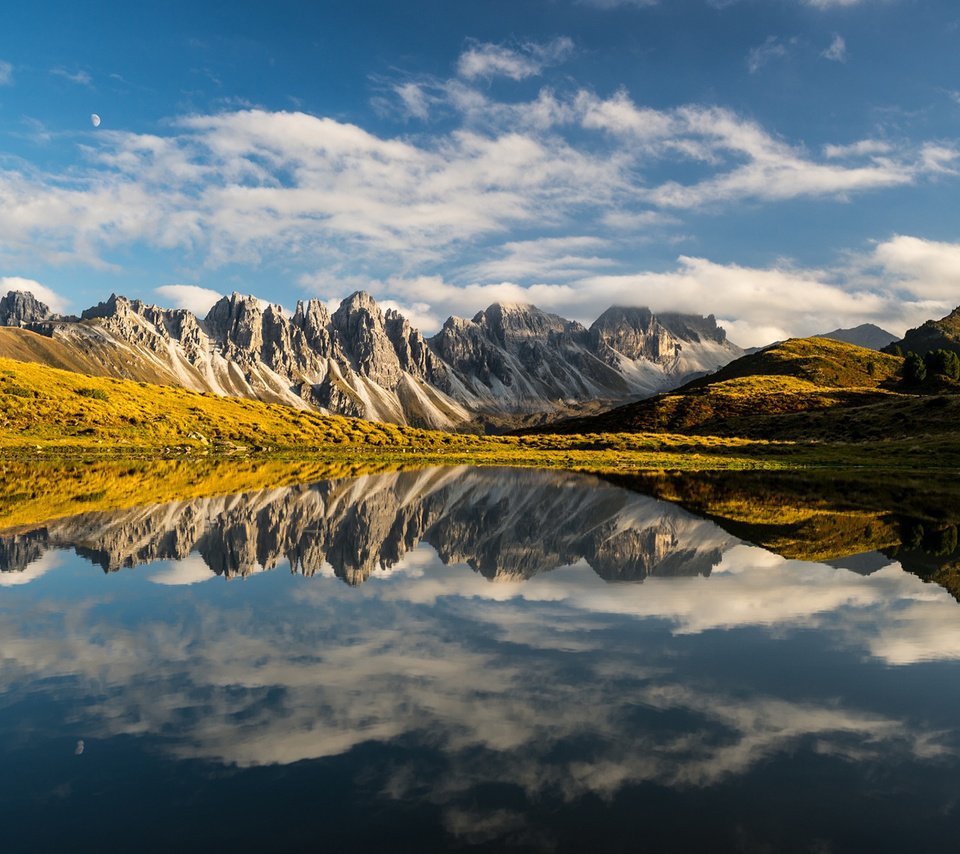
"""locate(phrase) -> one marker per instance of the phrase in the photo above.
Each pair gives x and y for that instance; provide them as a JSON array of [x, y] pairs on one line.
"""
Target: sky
[[790, 166]]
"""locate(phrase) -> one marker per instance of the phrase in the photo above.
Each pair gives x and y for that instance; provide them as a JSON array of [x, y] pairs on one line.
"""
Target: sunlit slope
[[47, 410], [96, 357], [805, 388], [48, 406]]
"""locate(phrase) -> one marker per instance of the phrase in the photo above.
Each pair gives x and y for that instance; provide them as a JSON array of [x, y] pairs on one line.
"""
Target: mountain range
[[509, 363]]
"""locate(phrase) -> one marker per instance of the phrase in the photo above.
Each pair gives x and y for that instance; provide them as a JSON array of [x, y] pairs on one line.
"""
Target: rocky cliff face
[[518, 358], [508, 361], [507, 525], [20, 308]]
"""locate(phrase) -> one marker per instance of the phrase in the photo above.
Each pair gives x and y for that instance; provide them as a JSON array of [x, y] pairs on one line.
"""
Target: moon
[[95, 120]]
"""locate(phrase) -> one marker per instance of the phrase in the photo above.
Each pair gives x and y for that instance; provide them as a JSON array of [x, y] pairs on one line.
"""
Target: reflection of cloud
[[33, 571], [191, 570], [891, 613], [495, 676]]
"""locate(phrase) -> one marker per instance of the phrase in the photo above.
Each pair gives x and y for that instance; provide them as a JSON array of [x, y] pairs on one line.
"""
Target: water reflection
[[504, 523], [419, 685]]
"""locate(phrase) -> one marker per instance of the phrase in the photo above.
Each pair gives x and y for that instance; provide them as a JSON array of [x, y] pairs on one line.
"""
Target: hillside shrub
[[93, 393], [18, 391], [943, 363], [914, 369]]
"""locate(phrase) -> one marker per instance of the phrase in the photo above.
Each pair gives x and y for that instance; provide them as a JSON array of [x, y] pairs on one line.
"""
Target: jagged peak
[[359, 301], [313, 309], [111, 306], [24, 296], [22, 307], [234, 305], [621, 313], [688, 327]]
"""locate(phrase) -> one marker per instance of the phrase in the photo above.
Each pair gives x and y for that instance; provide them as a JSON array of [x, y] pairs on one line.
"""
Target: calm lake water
[[466, 658]]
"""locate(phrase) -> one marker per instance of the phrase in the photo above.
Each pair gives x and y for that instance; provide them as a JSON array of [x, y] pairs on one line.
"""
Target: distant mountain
[[932, 335], [865, 335], [508, 362], [803, 388]]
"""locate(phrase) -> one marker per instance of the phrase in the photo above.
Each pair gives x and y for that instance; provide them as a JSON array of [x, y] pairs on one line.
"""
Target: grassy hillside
[[823, 362], [46, 412], [49, 411], [802, 389], [97, 357]]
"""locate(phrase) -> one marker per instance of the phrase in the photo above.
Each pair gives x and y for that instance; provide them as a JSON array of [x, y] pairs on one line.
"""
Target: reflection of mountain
[[506, 524]]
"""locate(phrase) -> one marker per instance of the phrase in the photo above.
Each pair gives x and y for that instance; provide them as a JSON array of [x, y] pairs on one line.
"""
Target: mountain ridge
[[509, 362], [867, 335], [932, 335]]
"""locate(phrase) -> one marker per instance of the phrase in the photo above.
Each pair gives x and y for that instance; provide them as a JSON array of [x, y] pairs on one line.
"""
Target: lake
[[455, 658]]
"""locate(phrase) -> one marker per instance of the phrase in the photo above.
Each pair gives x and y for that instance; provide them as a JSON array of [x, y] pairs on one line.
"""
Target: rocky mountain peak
[[19, 308], [361, 327], [693, 327], [635, 333], [111, 307], [248, 331], [229, 312], [509, 324]]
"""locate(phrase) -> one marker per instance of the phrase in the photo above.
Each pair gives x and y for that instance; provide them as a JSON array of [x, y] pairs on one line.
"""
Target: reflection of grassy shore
[[826, 515], [46, 412]]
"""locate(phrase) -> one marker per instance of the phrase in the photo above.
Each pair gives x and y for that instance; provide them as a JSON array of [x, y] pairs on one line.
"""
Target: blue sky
[[787, 165]]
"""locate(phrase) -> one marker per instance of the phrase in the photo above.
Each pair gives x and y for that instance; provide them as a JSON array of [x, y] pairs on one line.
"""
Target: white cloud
[[927, 269], [191, 297], [80, 77], [483, 59], [238, 187], [419, 314], [939, 159], [6, 73], [415, 101], [190, 570], [46, 295], [546, 258], [33, 570], [862, 148], [899, 284], [836, 51], [760, 56], [773, 170]]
